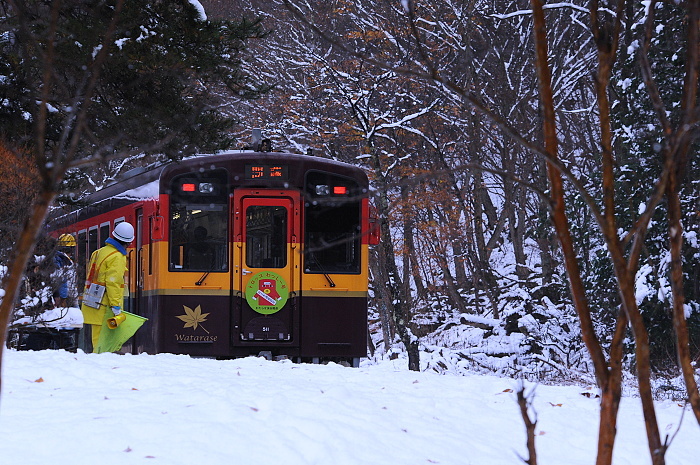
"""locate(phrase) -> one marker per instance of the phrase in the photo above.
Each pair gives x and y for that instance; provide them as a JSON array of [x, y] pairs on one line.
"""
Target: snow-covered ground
[[63, 408]]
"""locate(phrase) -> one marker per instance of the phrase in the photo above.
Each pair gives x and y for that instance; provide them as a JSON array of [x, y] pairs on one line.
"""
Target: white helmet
[[123, 232]]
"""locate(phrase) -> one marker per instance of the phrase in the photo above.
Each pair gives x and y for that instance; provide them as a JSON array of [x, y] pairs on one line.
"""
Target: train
[[247, 252]]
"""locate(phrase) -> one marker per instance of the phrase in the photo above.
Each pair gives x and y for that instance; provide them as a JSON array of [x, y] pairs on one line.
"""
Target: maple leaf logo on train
[[194, 318]]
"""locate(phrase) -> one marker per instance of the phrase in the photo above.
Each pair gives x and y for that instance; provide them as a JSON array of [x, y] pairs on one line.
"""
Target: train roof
[[140, 183], [235, 162]]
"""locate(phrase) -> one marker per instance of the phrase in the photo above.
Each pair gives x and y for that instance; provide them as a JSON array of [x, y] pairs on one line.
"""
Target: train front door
[[267, 268]]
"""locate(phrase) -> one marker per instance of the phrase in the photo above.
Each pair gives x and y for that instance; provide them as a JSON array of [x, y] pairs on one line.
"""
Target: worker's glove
[[116, 310]]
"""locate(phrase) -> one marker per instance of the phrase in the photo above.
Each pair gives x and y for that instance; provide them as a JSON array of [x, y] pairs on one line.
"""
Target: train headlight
[[206, 188], [323, 189]]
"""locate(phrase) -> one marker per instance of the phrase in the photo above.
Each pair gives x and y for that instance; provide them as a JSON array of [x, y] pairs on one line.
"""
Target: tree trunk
[[680, 325], [410, 264], [390, 285], [607, 376], [689, 107], [441, 257], [458, 258], [544, 236], [18, 263]]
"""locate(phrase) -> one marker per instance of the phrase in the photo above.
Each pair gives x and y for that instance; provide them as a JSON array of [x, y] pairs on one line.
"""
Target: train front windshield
[[332, 224], [199, 238], [199, 223]]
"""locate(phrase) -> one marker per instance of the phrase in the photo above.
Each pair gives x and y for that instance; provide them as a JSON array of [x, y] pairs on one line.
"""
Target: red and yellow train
[[241, 253]]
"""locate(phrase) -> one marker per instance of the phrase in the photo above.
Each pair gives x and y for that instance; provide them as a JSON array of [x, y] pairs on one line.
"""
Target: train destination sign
[[266, 172]]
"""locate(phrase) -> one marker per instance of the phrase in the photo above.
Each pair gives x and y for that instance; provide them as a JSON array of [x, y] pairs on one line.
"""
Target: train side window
[[82, 257], [150, 245], [93, 240], [82, 254], [266, 236], [104, 233], [198, 238]]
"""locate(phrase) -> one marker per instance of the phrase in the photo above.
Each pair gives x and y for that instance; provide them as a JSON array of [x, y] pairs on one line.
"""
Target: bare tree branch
[[530, 425]]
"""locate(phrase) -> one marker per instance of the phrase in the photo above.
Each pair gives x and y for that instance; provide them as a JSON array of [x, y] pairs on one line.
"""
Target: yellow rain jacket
[[107, 268]]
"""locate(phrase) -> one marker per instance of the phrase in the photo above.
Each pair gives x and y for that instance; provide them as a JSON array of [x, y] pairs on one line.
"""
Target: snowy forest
[[532, 164], [436, 107], [468, 249]]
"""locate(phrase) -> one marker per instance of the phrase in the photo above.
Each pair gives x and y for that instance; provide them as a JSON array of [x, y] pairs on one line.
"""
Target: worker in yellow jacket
[[104, 286]]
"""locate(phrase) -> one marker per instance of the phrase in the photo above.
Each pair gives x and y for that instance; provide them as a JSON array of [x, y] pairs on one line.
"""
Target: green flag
[[111, 340]]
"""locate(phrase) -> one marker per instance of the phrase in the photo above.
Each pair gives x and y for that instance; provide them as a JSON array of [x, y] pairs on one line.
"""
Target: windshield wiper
[[204, 276], [320, 267], [206, 273]]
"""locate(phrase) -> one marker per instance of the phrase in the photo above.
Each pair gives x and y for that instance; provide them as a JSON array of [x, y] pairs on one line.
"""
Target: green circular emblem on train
[[266, 293]]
